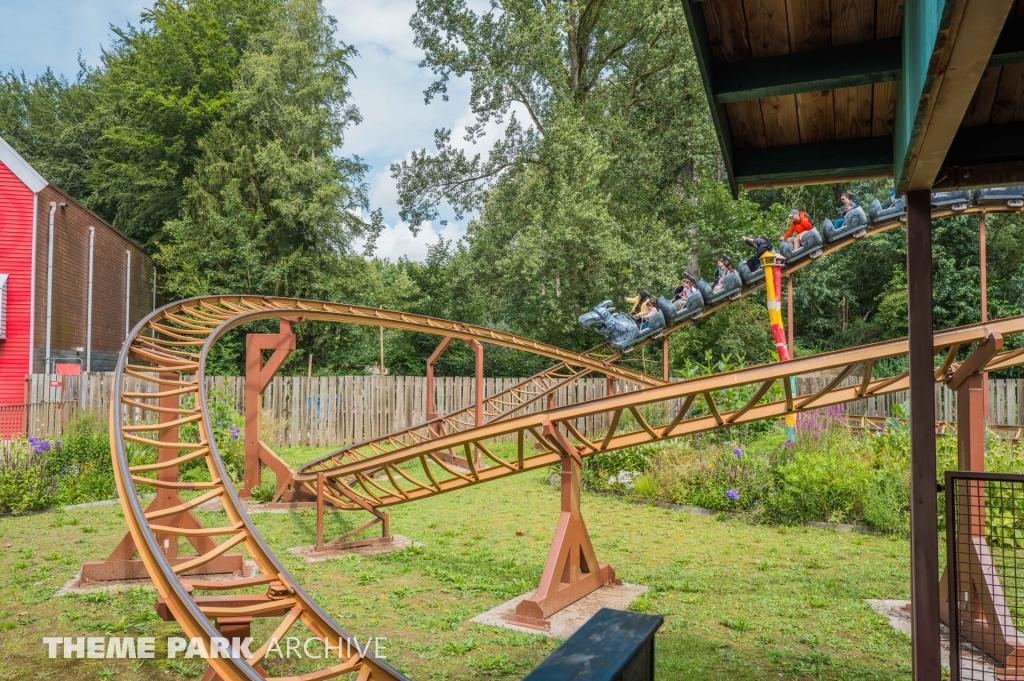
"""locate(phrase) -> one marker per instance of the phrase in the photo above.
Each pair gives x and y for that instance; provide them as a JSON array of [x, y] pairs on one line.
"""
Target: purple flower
[[58, 444], [787, 444], [738, 452], [733, 495]]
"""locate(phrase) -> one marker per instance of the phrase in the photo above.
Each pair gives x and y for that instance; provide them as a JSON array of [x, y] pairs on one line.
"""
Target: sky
[[388, 88]]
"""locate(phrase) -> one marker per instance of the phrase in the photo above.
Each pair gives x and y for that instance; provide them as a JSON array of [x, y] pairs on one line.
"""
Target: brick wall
[[70, 284]]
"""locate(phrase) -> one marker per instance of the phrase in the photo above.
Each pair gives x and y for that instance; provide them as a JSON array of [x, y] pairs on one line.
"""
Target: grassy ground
[[740, 601]]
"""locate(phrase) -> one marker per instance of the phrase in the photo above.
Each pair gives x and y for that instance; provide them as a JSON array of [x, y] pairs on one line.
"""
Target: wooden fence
[[36, 419], [338, 410]]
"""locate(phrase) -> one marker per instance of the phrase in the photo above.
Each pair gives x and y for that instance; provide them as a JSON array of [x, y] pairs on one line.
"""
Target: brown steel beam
[[924, 538], [983, 264], [572, 570], [258, 376]]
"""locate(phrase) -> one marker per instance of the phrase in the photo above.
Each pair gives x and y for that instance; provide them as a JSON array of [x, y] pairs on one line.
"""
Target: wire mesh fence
[[985, 575]]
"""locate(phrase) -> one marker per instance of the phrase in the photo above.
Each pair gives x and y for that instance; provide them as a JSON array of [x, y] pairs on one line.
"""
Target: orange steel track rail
[[512, 401], [413, 472], [167, 351]]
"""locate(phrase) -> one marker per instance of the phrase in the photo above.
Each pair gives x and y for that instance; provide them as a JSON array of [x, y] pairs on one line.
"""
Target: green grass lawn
[[740, 601]]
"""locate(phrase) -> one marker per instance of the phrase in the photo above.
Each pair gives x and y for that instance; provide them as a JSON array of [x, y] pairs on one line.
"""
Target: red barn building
[[66, 302]]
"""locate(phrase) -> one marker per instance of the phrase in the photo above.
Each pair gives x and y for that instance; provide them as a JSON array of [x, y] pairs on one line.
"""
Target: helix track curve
[[170, 361]]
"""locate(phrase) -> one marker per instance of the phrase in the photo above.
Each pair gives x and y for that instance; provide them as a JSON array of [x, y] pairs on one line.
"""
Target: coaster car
[[856, 221], [731, 285], [897, 211], [675, 311], [1011, 197], [749, 277], [811, 245], [619, 329], [956, 201]]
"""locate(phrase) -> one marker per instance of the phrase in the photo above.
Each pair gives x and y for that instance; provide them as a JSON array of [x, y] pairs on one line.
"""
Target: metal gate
[[984, 579]]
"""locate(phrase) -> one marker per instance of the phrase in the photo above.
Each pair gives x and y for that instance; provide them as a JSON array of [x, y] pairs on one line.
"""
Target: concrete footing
[[566, 621]]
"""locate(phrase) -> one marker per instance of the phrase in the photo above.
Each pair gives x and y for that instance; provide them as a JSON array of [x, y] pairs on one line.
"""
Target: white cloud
[[388, 87], [397, 241]]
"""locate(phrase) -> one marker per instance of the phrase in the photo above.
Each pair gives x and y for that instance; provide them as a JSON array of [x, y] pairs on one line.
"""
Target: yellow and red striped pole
[[772, 264]]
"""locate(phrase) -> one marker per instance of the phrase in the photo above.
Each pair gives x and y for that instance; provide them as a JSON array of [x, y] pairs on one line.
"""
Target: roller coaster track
[[417, 471], [514, 400], [171, 361], [167, 353]]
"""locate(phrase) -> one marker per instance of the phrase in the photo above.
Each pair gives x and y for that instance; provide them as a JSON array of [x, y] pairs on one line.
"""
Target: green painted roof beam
[[835, 67], [863, 64], [844, 158]]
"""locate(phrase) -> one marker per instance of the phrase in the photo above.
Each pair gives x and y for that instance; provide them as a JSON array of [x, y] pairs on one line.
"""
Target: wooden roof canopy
[[930, 92]]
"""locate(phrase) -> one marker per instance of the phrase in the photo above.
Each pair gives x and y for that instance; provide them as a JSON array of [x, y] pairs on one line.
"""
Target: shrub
[[85, 445], [644, 487], [82, 462], [886, 499], [262, 493], [25, 482], [598, 469], [821, 485], [731, 478]]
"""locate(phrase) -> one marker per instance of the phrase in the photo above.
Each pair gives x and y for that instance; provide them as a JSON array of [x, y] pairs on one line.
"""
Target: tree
[[595, 187], [271, 201], [161, 88], [48, 121]]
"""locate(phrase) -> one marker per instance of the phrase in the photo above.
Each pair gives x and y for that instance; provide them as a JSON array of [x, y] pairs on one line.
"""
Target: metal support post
[[983, 264], [664, 358], [320, 484], [924, 537], [257, 377], [432, 413], [572, 570], [789, 315], [121, 564], [772, 264]]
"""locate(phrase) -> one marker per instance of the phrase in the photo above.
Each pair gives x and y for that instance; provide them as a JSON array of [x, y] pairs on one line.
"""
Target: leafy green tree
[[160, 89], [271, 201], [596, 186], [48, 121]]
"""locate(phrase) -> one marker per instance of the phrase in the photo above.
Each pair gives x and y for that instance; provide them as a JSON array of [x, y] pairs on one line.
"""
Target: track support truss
[[257, 377], [572, 570]]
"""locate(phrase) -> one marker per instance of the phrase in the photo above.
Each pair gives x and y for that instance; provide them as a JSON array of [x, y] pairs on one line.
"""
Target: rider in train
[[761, 245], [685, 289], [850, 204], [799, 223], [724, 267], [643, 307]]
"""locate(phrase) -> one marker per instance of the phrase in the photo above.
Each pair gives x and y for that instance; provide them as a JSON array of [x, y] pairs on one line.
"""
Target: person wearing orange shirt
[[800, 223]]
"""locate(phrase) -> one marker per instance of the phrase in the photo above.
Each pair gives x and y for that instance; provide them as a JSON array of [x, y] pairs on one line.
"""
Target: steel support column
[[478, 397], [789, 314], [983, 264], [121, 563], [257, 377], [664, 358], [924, 539]]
